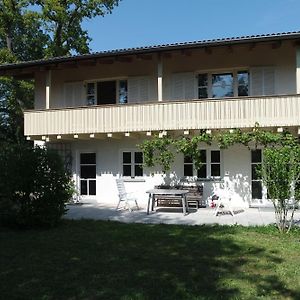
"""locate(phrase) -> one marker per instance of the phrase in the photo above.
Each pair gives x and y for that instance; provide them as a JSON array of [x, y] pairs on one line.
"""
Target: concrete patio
[[107, 211]]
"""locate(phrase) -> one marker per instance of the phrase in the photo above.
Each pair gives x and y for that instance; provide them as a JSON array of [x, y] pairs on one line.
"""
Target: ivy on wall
[[159, 151]]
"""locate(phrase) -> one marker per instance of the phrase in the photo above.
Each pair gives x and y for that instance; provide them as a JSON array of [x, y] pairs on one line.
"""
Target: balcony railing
[[194, 114]]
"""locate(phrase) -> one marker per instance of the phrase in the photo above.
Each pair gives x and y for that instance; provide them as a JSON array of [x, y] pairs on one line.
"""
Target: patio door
[[88, 174]]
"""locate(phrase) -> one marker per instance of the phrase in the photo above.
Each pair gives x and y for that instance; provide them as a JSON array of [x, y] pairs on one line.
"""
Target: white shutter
[[262, 81], [73, 94], [138, 89], [183, 86], [269, 79]]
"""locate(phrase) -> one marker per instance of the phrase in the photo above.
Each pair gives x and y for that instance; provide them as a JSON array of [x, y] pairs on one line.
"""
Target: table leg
[[183, 204], [148, 207], [186, 204], [153, 202]]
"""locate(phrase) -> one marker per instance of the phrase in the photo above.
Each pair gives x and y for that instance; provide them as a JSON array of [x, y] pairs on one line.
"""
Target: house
[[96, 108]]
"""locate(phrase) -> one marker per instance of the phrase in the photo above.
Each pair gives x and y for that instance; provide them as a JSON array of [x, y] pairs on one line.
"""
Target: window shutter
[[262, 81], [183, 86], [73, 94], [269, 79], [138, 89]]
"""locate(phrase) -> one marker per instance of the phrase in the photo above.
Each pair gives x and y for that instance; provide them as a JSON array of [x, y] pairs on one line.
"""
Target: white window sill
[[135, 179]]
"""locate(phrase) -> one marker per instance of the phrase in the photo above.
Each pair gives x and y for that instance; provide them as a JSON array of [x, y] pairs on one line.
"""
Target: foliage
[[35, 29], [63, 23], [33, 186], [280, 173]]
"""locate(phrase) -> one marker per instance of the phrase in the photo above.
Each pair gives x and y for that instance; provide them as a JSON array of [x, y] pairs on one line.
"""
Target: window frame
[[87, 179], [132, 163], [233, 71], [208, 164], [95, 81]]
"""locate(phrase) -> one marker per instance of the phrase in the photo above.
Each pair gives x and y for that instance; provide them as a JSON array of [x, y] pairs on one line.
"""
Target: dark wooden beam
[[186, 52], [105, 61], [207, 50], [166, 55], [124, 59], [144, 56], [276, 45], [252, 46]]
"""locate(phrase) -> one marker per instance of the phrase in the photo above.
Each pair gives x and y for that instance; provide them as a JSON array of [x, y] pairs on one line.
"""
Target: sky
[[137, 23]]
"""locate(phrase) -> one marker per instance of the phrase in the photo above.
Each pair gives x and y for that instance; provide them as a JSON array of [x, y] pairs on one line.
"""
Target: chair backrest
[[121, 187]]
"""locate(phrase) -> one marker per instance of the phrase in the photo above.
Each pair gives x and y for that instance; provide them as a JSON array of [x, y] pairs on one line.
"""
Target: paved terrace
[[107, 211]]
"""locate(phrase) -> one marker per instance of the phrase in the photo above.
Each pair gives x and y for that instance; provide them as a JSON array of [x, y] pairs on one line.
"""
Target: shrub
[[34, 186]]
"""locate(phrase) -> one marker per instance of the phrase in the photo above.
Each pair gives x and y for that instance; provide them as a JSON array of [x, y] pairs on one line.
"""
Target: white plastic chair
[[125, 197], [224, 202]]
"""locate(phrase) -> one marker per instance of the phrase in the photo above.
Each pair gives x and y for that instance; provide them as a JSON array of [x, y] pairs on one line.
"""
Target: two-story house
[[98, 107]]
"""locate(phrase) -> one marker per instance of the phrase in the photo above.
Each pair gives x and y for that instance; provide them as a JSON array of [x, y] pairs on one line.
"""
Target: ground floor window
[[88, 173], [256, 182], [211, 166], [132, 163]]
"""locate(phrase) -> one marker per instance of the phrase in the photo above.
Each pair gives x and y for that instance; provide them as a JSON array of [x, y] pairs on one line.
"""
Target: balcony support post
[[298, 70], [48, 88], [159, 77]]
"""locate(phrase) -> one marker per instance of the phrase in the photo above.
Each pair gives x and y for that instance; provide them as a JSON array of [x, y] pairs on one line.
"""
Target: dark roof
[[293, 35]]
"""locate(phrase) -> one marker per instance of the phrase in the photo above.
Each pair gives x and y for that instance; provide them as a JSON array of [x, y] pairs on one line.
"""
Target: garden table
[[170, 193]]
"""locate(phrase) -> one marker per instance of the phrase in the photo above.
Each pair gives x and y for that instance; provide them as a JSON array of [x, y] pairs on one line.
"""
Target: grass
[[109, 260]]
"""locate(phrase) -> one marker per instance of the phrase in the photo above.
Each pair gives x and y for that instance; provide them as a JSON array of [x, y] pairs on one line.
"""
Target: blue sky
[[148, 22]]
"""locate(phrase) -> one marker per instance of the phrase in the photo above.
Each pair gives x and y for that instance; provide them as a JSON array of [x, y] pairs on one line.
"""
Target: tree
[[35, 29], [280, 174], [63, 23], [34, 186]]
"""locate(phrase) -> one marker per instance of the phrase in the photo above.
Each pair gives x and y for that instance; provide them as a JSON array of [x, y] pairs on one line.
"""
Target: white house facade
[[96, 108]]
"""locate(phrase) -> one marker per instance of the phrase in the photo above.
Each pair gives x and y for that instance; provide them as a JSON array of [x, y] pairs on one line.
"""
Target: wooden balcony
[[268, 111]]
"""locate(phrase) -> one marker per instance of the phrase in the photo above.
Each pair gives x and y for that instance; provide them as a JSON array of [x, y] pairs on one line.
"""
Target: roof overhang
[[26, 70]]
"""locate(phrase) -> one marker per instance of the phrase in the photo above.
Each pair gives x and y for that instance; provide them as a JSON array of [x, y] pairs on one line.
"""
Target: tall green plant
[[281, 174]]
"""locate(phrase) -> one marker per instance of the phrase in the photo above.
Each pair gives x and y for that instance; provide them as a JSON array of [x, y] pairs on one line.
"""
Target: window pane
[[83, 187], [256, 190], [88, 171], [243, 90], [202, 93], [215, 156], [256, 156], [91, 100], [203, 155], [127, 157], [222, 85], [91, 88], [202, 80], [188, 159], [127, 170], [123, 91], [88, 158], [255, 173], [138, 170], [243, 78], [138, 157], [201, 173], [92, 187], [188, 170], [215, 170]]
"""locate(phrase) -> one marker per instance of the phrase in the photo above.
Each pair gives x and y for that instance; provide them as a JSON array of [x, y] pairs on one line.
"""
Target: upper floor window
[[219, 85], [211, 165], [106, 92]]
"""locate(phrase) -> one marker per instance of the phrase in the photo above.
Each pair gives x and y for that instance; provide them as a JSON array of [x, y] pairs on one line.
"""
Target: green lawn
[[108, 260]]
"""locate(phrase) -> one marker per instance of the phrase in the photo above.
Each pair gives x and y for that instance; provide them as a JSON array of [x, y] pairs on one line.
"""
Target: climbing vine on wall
[[159, 151]]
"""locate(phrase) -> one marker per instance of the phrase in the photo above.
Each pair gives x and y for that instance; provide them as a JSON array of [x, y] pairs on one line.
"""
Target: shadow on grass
[[108, 260]]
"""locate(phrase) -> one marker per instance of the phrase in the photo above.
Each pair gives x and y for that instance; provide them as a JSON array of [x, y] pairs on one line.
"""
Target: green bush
[[34, 186]]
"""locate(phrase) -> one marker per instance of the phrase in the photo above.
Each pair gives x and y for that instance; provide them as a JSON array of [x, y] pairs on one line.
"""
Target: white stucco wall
[[235, 171]]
